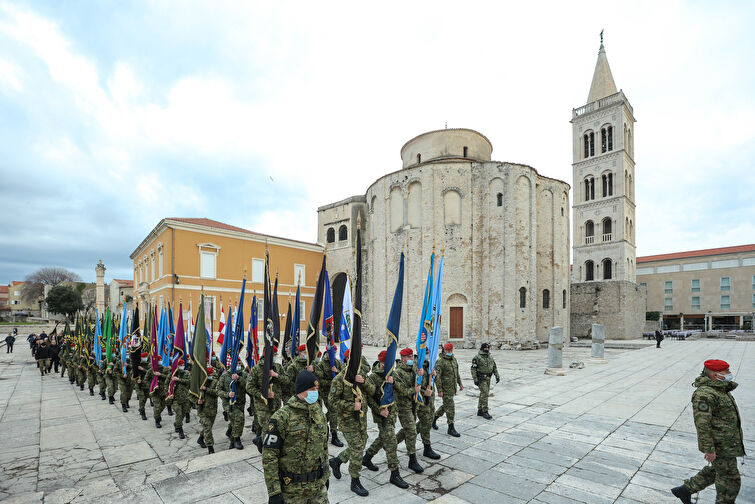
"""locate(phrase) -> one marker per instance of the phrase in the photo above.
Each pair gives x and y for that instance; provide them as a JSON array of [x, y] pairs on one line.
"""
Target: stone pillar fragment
[[100, 287], [598, 341], [555, 347]]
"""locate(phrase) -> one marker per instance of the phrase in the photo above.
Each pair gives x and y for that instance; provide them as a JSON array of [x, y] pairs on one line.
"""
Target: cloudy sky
[[115, 115]]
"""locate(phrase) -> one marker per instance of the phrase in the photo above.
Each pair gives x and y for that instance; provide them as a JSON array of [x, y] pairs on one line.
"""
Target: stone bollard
[[555, 352], [598, 342]]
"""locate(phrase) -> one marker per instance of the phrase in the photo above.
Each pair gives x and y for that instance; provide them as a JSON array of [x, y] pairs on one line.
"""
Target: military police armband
[[703, 406], [272, 437]]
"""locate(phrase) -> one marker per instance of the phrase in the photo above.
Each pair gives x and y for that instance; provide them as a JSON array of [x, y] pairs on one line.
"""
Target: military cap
[[716, 365], [210, 370], [406, 352], [301, 348], [305, 381], [346, 353], [485, 345], [381, 356], [448, 347]]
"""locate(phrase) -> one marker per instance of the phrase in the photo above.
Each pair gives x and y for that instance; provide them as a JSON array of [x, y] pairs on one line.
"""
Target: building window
[[695, 305], [465, 151], [668, 287], [258, 270], [726, 302], [610, 184], [522, 297], [300, 274], [610, 138], [546, 298], [302, 310], [668, 304], [419, 158], [606, 142], [331, 235], [607, 229], [753, 304], [589, 139], [695, 285], [606, 269], [563, 298], [589, 270], [153, 267], [644, 285], [725, 284], [753, 285], [589, 189], [207, 264], [343, 233], [589, 232], [160, 263], [499, 202]]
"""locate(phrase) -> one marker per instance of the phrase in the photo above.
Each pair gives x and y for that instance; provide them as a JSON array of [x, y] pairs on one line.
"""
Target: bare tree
[[34, 283]]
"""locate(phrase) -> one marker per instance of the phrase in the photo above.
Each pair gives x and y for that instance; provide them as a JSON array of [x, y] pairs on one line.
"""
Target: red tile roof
[[4, 289], [125, 283], [204, 221], [16, 282], [697, 253]]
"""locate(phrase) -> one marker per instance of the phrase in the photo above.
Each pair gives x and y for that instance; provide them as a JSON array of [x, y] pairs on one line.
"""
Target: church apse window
[[523, 297], [331, 235], [589, 271], [419, 158], [343, 233], [563, 298], [606, 269], [499, 199], [452, 208], [546, 298], [465, 150]]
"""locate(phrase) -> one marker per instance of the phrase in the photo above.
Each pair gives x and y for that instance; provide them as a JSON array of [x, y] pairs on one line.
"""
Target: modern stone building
[[701, 289], [503, 227], [603, 289]]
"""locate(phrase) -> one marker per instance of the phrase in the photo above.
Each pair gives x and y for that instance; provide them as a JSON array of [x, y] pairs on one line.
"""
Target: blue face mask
[[450, 354], [312, 396], [410, 362]]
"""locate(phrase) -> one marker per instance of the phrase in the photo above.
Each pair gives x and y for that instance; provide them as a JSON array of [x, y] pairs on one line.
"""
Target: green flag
[[199, 355], [108, 337]]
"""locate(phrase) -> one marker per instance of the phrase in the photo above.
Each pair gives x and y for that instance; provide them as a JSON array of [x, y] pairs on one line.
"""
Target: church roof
[[602, 79]]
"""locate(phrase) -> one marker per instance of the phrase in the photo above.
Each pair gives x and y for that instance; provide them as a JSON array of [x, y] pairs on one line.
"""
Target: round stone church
[[503, 228]]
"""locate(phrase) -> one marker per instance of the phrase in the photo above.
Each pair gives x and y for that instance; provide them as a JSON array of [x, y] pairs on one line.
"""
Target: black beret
[[305, 381]]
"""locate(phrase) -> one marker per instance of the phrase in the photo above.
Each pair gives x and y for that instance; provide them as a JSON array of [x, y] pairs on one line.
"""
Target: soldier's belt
[[288, 478]]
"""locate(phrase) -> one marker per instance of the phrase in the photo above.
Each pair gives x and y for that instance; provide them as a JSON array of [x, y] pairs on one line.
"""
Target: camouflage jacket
[[161, 389], [425, 383], [294, 367], [447, 374], [404, 379], [325, 374], [224, 388], [342, 396], [719, 427], [181, 388], [376, 380], [209, 406], [295, 442], [254, 385], [483, 364]]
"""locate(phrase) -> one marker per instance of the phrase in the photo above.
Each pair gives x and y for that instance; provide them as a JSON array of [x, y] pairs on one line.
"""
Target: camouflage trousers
[[262, 414], [180, 409], [112, 384], [207, 420], [408, 432], [724, 474], [158, 403], [355, 433], [331, 415], [236, 419], [141, 394], [126, 389], [80, 376], [387, 441], [101, 383], [91, 379], [484, 384], [426, 415], [44, 365], [448, 407], [313, 492]]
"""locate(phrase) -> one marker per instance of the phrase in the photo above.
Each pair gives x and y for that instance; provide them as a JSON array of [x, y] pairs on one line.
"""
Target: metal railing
[[589, 240], [606, 237]]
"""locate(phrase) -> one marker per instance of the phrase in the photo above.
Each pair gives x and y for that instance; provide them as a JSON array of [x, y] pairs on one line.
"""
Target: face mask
[[410, 362], [450, 354], [312, 396], [728, 377]]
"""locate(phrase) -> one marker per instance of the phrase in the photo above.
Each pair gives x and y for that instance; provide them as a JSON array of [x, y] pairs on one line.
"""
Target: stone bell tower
[[100, 295]]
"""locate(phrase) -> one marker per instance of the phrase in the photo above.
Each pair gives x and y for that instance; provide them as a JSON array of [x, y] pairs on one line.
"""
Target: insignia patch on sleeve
[[272, 436], [703, 406]]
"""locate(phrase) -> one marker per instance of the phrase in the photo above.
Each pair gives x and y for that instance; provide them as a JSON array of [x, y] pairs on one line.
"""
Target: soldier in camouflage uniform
[[447, 378], [140, 384], [385, 418], [81, 372], [207, 408], [404, 390], [125, 385], [719, 435], [295, 452], [101, 378], [181, 402], [352, 422], [236, 409], [91, 374], [264, 410], [426, 410], [64, 352], [483, 366], [111, 380], [158, 394], [324, 372], [73, 367], [293, 368]]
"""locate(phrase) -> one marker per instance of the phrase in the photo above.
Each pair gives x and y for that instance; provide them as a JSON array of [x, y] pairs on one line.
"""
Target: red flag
[[154, 354], [179, 350]]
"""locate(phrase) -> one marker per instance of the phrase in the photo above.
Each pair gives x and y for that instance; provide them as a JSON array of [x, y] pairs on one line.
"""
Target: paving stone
[[128, 454], [467, 463], [473, 493], [507, 484]]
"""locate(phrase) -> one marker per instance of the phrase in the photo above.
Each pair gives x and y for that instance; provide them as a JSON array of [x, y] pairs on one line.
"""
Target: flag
[[154, 352], [425, 324], [347, 316], [287, 332], [199, 355], [255, 344], [123, 338], [268, 352], [97, 338], [251, 345], [314, 315], [136, 344], [221, 325], [394, 319], [354, 362], [225, 356], [296, 323], [108, 337], [327, 324], [179, 350], [434, 340], [276, 315], [238, 340]]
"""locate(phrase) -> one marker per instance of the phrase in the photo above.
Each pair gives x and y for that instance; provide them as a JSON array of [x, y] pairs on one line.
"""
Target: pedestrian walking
[[658, 338], [9, 340], [719, 434]]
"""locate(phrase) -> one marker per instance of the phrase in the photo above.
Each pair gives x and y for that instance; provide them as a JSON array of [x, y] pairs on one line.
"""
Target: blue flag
[[224, 352], [123, 338], [434, 340], [327, 325], [347, 316], [295, 324], [238, 338], [394, 319], [97, 338], [425, 323], [251, 344]]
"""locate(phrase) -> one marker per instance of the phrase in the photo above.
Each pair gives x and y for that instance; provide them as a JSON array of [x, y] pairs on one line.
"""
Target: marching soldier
[[426, 409], [91, 374], [483, 366], [125, 385], [181, 397], [236, 409], [385, 418], [81, 371], [263, 410], [352, 422], [719, 434], [111, 380], [157, 395], [448, 377], [324, 372], [296, 366], [207, 407], [404, 389], [294, 456], [139, 384]]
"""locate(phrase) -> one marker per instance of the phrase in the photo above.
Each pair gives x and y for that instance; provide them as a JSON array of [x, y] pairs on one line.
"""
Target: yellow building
[[183, 257]]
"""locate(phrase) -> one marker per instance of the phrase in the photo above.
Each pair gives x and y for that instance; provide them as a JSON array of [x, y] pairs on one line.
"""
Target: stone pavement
[[619, 432]]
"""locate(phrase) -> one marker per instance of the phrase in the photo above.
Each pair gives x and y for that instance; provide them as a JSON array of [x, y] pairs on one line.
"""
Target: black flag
[[314, 316], [355, 354], [268, 334]]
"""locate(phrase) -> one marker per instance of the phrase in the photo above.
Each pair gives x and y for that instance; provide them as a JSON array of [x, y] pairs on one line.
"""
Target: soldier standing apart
[[448, 377], [483, 366], [324, 372], [405, 389], [181, 397], [295, 453], [236, 408], [352, 422], [719, 434], [426, 410], [9, 340], [207, 407]]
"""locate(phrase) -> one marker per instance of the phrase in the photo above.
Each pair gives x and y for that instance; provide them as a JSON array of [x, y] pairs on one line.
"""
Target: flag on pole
[[354, 361], [255, 343], [97, 339], [238, 340], [314, 315], [251, 338], [108, 337], [394, 320], [327, 325], [287, 333], [276, 315], [123, 338], [434, 341], [199, 355], [179, 350], [154, 352], [296, 323], [347, 316], [425, 325], [268, 352], [221, 325]]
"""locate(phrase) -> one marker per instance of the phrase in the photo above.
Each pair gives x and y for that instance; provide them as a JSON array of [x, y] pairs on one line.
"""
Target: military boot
[[111, 400], [210, 450], [357, 488], [486, 415], [413, 464], [479, 412], [232, 445], [124, 408], [157, 423], [225, 416], [335, 466], [143, 414], [200, 441], [435, 423], [452, 431], [81, 387], [683, 494], [335, 441], [187, 418], [102, 395], [430, 453], [91, 392], [237, 444], [367, 462], [170, 411], [181, 434], [397, 480], [228, 433]]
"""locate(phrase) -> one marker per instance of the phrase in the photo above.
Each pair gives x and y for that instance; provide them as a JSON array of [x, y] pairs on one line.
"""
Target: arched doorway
[[338, 284]]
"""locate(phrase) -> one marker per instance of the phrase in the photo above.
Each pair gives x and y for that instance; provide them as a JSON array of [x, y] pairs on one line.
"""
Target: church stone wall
[[618, 305]]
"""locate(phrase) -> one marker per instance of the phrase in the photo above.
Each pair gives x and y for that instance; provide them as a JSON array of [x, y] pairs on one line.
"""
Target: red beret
[[213, 354], [301, 348], [144, 355], [319, 354], [716, 365], [448, 346], [275, 349], [406, 352], [346, 353], [381, 356], [210, 370], [181, 362]]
